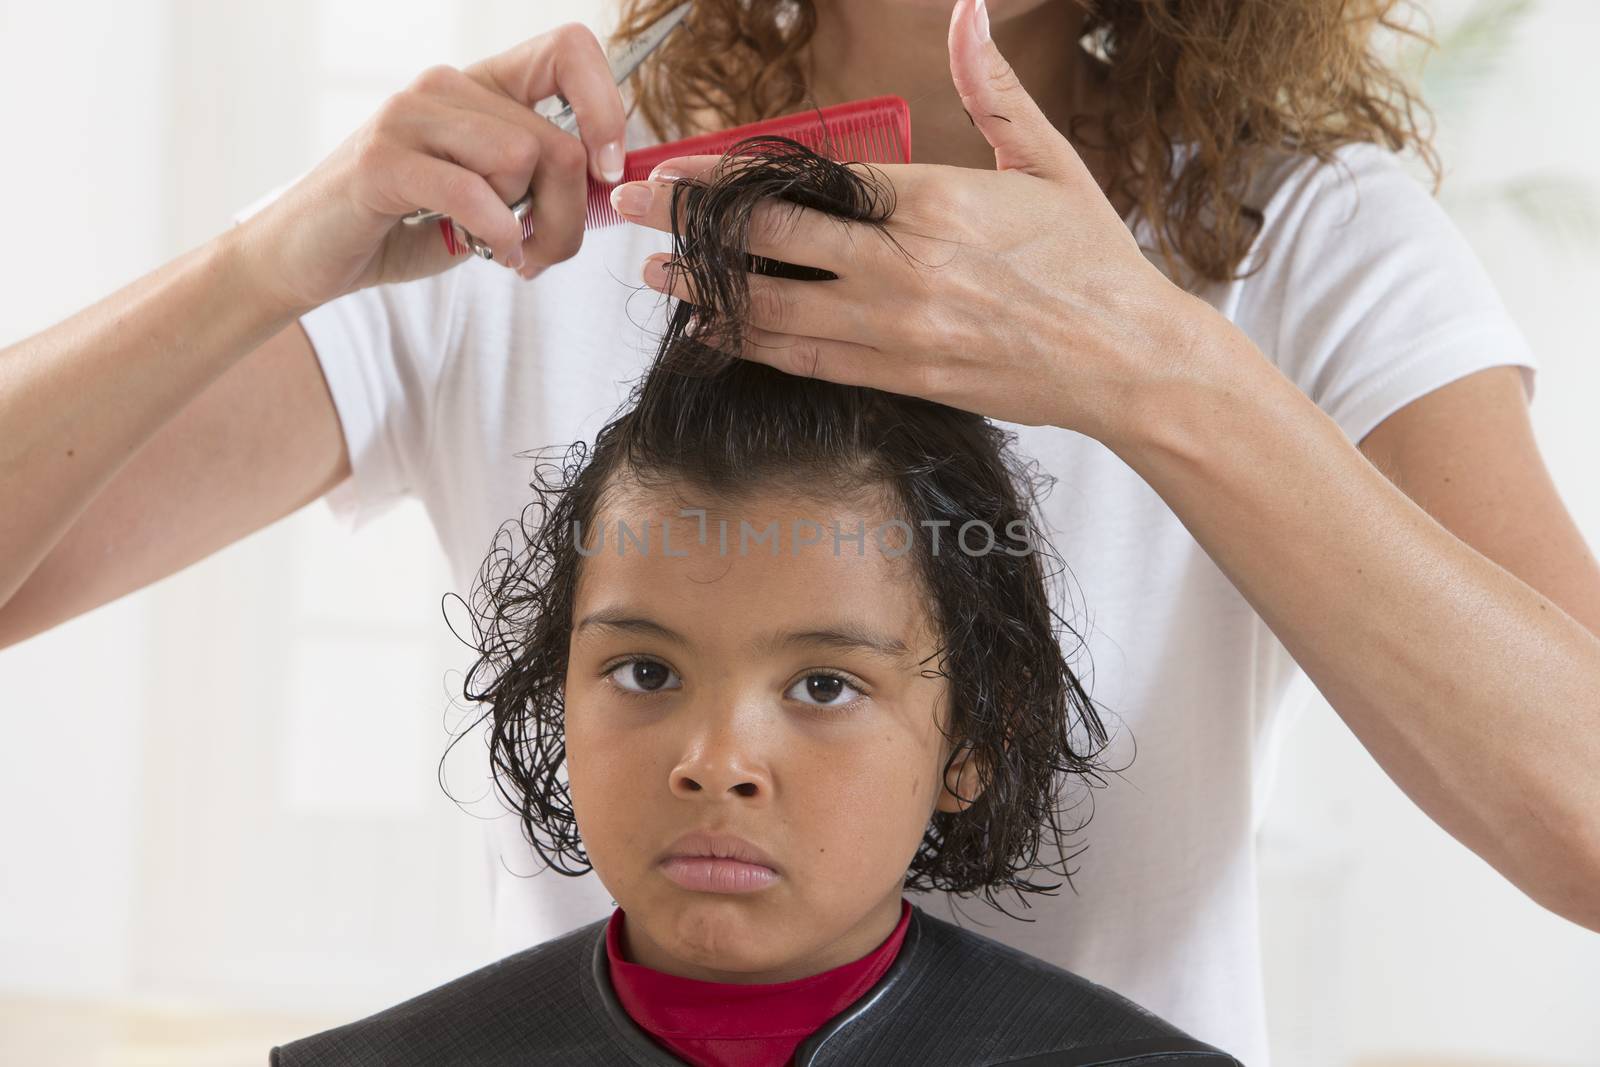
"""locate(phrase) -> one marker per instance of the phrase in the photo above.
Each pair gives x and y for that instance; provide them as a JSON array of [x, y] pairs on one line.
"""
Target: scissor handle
[[519, 210], [421, 215]]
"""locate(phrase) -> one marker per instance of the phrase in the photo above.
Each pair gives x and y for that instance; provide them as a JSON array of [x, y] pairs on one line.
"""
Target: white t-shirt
[[1367, 297]]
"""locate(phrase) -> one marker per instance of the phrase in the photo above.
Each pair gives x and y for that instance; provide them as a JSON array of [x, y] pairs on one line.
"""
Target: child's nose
[[710, 781], [725, 760]]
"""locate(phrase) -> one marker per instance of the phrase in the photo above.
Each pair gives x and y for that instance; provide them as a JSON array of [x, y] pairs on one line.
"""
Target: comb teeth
[[598, 210], [877, 130]]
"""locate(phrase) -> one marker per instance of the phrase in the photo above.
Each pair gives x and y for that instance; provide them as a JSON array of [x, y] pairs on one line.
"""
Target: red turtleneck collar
[[727, 1024]]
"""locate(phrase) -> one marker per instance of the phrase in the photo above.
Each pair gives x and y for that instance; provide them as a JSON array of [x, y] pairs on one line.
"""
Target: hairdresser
[[1172, 248]]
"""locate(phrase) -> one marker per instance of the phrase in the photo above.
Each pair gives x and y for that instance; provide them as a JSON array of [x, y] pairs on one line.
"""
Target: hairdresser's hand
[[465, 142], [1025, 297]]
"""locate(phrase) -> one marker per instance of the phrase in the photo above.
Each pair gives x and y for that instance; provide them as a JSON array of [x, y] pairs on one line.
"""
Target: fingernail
[[610, 160], [980, 17], [515, 260], [632, 199], [655, 270], [664, 173]]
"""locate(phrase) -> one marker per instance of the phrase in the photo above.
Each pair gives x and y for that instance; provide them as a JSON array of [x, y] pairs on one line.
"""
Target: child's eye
[[825, 690], [642, 676], [820, 689]]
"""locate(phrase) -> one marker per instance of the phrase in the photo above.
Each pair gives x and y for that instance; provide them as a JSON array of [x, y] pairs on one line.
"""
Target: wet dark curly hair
[[724, 426]]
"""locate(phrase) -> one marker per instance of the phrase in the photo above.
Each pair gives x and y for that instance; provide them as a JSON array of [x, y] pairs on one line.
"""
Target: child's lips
[[718, 863], [708, 874]]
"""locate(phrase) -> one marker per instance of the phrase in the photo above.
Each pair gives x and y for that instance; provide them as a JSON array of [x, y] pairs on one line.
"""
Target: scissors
[[623, 62]]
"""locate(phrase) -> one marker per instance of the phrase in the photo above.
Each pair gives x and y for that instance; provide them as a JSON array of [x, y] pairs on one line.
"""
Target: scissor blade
[[625, 59], [629, 56]]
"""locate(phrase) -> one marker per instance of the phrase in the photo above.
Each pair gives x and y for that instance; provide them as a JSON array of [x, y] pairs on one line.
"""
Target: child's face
[[725, 692]]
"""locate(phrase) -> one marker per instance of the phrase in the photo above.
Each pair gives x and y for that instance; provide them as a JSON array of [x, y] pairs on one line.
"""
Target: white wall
[[170, 759], [75, 146]]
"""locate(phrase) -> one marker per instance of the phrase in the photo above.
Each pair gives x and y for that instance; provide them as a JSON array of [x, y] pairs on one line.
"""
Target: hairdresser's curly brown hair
[[1236, 78], [724, 427]]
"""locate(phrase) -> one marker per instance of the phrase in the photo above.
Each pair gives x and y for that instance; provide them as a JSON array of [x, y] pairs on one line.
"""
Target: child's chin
[[730, 934]]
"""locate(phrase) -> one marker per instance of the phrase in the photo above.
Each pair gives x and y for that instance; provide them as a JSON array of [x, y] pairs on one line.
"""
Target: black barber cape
[[951, 998]]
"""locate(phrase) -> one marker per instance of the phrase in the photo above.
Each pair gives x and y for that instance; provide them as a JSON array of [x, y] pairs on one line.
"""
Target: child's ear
[[963, 781]]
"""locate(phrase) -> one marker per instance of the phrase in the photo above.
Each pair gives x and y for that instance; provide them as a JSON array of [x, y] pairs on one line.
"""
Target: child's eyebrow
[[845, 636]]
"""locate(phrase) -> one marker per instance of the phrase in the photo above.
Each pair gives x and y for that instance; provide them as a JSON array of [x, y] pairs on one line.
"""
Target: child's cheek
[[879, 807], [609, 799]]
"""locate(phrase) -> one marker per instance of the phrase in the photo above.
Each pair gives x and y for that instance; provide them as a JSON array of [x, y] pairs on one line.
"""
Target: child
[[775, 650]]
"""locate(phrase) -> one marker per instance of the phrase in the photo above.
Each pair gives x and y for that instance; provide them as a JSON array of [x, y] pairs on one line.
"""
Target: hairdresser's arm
[[188, 409], [1452, 625]]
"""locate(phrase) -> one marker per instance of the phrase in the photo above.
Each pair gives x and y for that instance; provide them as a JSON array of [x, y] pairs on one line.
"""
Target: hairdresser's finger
[[683, 167], [844, 362], [778, 230], [467, 91], [676, 168], [503, 154], [568, 60], [790, 233], [463, 194], [782, 305], [560, 193], [850, 363], [996, 102]]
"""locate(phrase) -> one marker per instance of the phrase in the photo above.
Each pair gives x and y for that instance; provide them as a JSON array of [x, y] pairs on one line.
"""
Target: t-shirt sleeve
[[382, 351], [1373, 294]]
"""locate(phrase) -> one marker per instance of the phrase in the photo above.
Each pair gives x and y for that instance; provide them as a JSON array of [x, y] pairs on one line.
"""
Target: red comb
[[862, 131], [877, 130]]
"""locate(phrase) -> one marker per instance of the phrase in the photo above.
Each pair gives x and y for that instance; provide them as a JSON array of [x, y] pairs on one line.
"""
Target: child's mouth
[[718, 863], [707, 874]]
